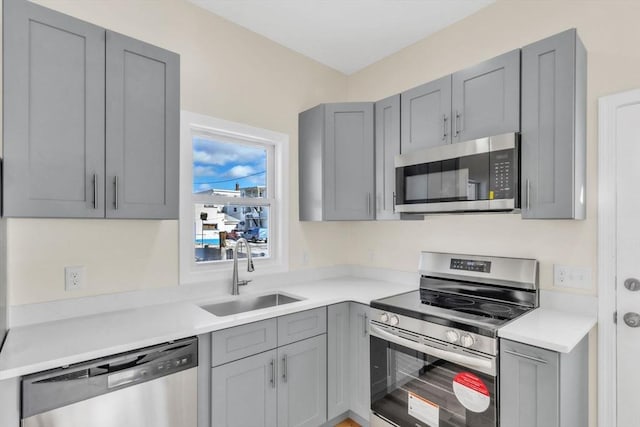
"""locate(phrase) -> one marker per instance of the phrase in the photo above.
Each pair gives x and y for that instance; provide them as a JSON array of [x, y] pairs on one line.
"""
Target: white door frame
[[608, 107]]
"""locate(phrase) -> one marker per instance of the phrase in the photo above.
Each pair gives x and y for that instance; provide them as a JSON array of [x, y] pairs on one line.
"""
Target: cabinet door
[[486, 98], [338, 360], [387, 147], [348, 162], [529, 386], [302, 388], [53, 114], [142, 129], [360, 391], [243, 393], [426, 115], [553, 127]]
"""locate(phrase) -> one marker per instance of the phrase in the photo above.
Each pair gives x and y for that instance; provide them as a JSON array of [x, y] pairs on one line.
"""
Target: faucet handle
[[243, 282]]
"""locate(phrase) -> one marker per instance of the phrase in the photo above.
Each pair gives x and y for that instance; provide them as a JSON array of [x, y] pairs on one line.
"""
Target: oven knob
[[394, 320], [467, 340], [384, 317], [453, 336]]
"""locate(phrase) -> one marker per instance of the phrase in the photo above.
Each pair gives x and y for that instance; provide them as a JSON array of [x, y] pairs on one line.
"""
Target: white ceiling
[[346, 35]]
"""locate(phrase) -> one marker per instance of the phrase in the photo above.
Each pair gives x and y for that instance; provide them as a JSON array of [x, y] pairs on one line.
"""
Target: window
[[233, 185]]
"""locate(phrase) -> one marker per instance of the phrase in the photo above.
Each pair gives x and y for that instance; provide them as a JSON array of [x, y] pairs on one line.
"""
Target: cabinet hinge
[[615, 317]]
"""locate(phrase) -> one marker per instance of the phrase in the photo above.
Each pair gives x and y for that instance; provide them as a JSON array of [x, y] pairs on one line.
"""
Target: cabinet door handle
[[394, 202], [284, 368], [528, 195], [95, 191], [444, 127], [525, 356], [365, 319], [457, 119], [115, 193], [368, 203], [273, 374]]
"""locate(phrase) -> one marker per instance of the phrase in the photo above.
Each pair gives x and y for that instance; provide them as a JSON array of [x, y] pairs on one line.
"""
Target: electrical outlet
[[74, 277], [305, 258], [565, 276]]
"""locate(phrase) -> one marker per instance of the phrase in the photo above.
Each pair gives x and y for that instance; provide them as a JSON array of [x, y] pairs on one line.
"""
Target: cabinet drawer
[[298, 326], [242, 341]]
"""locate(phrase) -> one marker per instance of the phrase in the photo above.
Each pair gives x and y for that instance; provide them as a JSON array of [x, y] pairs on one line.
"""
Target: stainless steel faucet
[[235, 285]]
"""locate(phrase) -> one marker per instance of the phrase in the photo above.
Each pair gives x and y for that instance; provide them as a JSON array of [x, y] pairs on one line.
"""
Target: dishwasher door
[[153, 387]]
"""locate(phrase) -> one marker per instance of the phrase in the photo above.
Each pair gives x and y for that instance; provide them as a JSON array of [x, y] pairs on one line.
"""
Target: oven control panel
[[417, 327], [470, 265]]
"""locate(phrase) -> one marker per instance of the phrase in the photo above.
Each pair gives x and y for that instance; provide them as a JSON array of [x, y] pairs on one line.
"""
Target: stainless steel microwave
[[472, 176]]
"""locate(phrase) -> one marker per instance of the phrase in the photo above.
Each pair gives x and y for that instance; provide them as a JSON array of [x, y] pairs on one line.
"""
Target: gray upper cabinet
[[426, 115], [387, 114], [302, 388], [89, 115], [54, 105], [142, 129], [486, 98], [336, 162], [554, 86], [542, 388]]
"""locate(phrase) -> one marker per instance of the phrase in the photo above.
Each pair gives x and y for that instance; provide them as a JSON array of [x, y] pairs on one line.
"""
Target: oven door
[[478, 175], [415, 385]]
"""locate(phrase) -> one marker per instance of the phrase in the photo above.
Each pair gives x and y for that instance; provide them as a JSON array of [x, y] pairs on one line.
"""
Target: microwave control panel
[[503, 172]]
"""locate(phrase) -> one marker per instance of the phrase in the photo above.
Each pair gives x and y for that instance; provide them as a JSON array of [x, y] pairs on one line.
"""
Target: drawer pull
[[525, 356]]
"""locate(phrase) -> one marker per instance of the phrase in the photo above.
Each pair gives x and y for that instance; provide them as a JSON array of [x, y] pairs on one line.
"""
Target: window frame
[[193, 125]]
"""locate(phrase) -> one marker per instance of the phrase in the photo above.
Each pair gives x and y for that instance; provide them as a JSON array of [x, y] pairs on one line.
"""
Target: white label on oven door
[[471, 392], [423, 410]]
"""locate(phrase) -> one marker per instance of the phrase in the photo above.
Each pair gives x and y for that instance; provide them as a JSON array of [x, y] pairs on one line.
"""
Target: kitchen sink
[[249, 303]]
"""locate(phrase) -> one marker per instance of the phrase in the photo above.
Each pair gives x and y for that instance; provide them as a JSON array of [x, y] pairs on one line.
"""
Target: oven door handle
[[484, 365]]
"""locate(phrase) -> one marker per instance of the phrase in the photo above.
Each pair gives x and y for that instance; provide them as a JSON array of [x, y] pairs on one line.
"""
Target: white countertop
[[550, 329], [43, 346]]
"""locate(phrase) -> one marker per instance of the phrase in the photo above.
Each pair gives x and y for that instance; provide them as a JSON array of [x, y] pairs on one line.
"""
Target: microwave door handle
[[482, 365]]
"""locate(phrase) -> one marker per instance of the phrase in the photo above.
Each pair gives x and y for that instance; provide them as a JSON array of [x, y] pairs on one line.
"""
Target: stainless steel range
[[434, 351]]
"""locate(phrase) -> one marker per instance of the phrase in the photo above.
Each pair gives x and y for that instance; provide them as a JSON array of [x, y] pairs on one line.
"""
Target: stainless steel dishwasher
[[151, 387]]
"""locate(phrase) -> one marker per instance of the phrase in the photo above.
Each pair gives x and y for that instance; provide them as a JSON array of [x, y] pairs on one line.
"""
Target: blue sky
[[220, 165]]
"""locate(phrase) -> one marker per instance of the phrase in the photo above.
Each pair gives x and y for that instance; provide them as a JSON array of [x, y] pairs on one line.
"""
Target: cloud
[[220, 153], [241, 171], [200, 171]]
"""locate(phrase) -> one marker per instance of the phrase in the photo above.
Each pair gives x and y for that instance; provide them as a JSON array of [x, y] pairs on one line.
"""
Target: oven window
[[411, 388], [462, 179]]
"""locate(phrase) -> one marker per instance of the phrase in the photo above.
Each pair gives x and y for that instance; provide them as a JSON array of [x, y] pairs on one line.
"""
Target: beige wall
[[226, 72]]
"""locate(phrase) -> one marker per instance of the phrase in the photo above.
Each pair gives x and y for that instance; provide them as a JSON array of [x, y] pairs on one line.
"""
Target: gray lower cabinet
[[54, 105], [426, 115], [348, 360], [486, 98], [339, 392], [302, 387], [142, 129], [359, 359], [542, 388], [554, 85], [336, 162], [271, 372], [91, 120], [244, 392]]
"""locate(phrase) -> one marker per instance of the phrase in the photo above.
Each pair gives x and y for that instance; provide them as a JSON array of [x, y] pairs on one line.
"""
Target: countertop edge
[[541, 328]]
